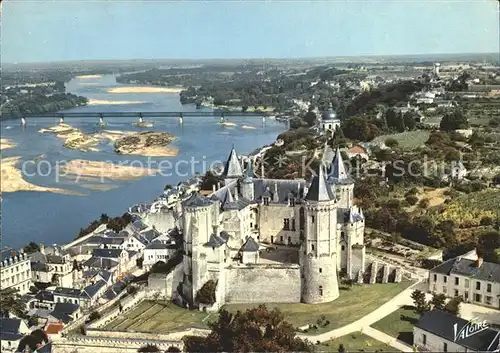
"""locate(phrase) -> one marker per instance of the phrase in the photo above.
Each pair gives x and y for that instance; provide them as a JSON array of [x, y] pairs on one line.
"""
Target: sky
[[45, 31]]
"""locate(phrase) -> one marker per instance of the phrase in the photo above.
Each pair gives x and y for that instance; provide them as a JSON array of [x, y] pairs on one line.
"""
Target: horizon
[[67, 31], [423, 55]]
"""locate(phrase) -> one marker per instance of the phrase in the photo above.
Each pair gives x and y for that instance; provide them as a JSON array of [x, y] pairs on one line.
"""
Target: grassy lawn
[[157, 317], [399, 324], [355, 342], [407, 140], [352, 305]]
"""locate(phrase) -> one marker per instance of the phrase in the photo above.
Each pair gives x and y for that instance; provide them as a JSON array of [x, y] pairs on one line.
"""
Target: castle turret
[[198, 226], [318, 254], [247, 186], [344, 184], [232, 168]]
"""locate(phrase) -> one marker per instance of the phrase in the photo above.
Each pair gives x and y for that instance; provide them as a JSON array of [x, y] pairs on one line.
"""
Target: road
[[363, 324]]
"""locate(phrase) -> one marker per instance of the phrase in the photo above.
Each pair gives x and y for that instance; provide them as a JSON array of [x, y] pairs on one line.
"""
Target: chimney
[[42, 249], [213, 188], [218, 185], [276, 196], [235, 195], [479, 262]]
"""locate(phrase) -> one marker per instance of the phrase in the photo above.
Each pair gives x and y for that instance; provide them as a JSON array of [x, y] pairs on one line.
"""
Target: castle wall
[[271, 221], [162, 221], [263, 284]]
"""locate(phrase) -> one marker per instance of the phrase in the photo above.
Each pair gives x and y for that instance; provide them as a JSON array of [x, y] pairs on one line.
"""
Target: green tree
[[310, 118], [173, 349], [454, 120], [359, 128], [255, 330], [206, 294], [438, 301], [419, 301], [149, 348], [453, 305], [11, 302]]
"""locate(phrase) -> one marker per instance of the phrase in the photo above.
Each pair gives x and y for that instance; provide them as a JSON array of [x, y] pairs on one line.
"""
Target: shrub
[[411, 199], [206, 294], [392, 143], [424, 203]]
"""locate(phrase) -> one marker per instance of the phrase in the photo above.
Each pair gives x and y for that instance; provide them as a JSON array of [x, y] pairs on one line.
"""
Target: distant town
[[371, 224]]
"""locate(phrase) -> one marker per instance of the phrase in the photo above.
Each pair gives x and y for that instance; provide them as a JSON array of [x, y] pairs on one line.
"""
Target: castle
[[270, 240]]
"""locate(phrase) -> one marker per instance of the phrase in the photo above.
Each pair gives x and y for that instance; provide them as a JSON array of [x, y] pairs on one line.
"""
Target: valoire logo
[[469, 329]]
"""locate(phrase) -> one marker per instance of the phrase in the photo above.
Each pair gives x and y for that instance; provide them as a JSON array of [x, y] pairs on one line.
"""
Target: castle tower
[[232, 168], [197, 228], [344, 185], [318, 253], [247, 187], [353, 253]]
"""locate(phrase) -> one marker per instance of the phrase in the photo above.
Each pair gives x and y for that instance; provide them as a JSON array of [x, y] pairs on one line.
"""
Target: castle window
[[312, 219], [286, 224], [321, 290], [301, 218], [343, 247], [312, 247], [291, 202], [320, 270], [266, 201], [293, 224], [342, 235], [281, 239]]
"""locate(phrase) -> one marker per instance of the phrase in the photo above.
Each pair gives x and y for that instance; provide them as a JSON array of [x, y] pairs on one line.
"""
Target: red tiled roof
[[52, 329], [357, 149]]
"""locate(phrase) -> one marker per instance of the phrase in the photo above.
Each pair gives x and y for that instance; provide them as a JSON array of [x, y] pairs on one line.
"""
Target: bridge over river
[[221, 114]]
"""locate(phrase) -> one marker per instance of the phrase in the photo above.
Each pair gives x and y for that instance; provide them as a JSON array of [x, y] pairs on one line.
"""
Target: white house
[[458, 171], [12, 330], [52, 265], [441, 331], [475, 281], [157, 251], [15, 271]]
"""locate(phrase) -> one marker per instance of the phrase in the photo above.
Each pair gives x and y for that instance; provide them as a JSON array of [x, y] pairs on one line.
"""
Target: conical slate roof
[[337, 169], [319, 189], [232, 168], [328, 155], [249, 173]]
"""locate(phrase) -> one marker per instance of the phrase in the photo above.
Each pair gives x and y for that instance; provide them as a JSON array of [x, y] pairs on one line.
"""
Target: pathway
[[363, 324]]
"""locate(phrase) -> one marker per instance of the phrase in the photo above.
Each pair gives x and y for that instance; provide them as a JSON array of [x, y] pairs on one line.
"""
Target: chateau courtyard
[[159, 317], [353, 304]]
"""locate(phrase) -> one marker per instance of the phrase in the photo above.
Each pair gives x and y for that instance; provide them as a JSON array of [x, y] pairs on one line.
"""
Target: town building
[[15, 271], [329, 121], [11, 332], [52, 265], [441, 331], [476, 281]]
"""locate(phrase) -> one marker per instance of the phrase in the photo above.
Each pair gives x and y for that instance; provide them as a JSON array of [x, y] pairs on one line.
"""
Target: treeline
[[24, 105], [114, 223]]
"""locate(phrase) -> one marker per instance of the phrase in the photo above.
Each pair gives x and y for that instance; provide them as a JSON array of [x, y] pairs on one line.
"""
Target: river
[[50, 218]]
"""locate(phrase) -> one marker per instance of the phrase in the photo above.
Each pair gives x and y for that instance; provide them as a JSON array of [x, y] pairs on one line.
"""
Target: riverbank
[[84, 170], [12, 179], [6, 143], [109, 102], [89, 76], [145, 89]]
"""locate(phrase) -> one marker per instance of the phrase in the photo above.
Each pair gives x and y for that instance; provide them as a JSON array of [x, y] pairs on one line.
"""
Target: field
[[158, 317], [469, 209], [407, 140], [399, 324], [352, 305], [354, 342]]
